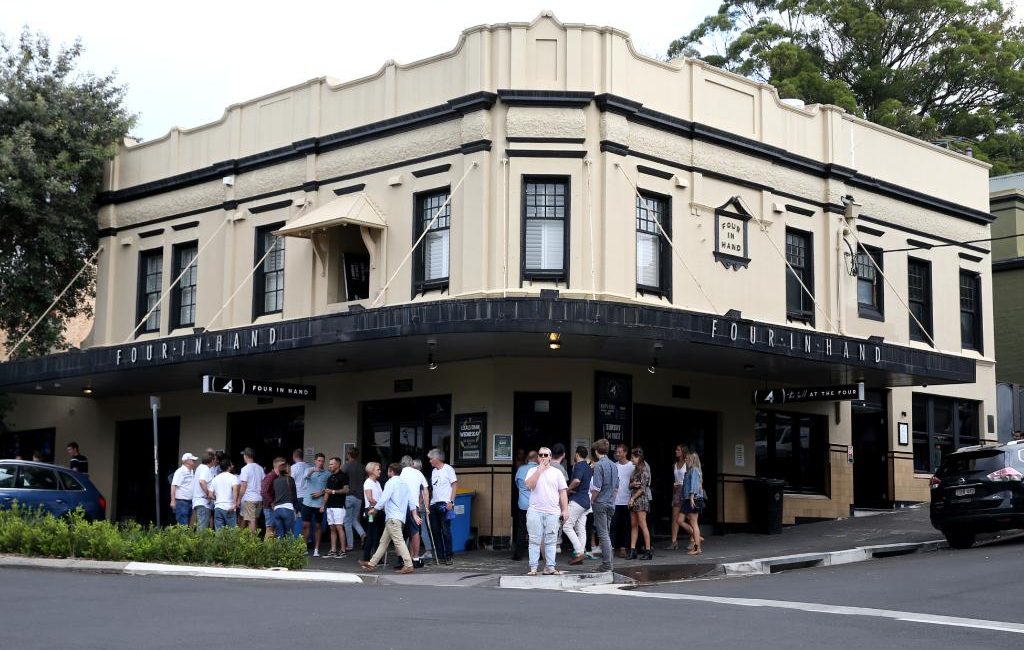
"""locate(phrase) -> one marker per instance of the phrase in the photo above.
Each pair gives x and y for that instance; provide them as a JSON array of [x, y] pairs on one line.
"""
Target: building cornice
[[633, 111]]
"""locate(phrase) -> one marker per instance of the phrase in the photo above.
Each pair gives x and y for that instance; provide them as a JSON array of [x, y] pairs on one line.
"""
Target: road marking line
[[896, 615]]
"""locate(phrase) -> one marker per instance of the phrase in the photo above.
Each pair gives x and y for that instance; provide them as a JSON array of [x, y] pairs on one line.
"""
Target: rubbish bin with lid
[[463, 515], [764, 504]]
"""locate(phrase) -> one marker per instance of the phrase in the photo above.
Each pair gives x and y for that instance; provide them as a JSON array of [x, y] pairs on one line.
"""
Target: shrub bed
[[36, 533]]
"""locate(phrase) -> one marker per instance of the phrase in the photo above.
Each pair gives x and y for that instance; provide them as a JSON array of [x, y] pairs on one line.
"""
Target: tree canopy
[[946, 71], [58, 126]]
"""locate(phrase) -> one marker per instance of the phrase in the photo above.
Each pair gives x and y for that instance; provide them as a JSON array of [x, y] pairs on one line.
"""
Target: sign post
[[154, 405]]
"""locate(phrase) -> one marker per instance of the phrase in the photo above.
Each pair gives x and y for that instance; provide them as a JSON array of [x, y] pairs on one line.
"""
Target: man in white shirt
[[620, 525], [417, 484], [225, 497], [548, 499], [442, 501], [202, 493], [181, 489], [251, 479], [394, 501]]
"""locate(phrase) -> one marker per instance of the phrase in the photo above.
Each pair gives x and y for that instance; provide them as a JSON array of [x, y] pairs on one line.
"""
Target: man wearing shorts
[[312, 517], [334, 507], [251, 479]]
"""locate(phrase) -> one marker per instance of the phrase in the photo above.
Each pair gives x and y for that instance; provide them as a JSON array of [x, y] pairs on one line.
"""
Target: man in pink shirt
[[548, 499]]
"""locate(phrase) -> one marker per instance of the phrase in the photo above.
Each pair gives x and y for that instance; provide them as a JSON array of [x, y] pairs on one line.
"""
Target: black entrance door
[[412, 426], [133, 469], [270, 433], [870, 448], [541, 420], [658, 429]]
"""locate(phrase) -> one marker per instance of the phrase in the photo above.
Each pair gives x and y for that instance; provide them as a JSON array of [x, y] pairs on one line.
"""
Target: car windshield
[[983, 460]]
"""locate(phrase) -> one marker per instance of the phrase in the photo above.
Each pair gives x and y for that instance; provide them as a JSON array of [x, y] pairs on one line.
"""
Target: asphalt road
[[47, 609]]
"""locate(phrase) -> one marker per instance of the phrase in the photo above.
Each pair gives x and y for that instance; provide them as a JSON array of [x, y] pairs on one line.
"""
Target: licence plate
[[962, 492]]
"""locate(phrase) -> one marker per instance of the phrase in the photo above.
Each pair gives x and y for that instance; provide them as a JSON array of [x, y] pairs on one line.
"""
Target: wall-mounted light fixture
[[655, 349], [555, 340], [431, 364]]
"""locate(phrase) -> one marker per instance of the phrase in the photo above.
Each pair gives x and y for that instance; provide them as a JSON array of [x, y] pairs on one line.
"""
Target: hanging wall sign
[[731, 243], [613, 400], [241, 386], [470, 438]]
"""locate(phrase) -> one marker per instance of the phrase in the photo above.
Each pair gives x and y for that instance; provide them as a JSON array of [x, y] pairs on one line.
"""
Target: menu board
[[613, 400], [470, 437]]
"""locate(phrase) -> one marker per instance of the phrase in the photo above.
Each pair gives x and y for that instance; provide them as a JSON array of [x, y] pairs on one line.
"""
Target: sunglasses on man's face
[[544, 455]]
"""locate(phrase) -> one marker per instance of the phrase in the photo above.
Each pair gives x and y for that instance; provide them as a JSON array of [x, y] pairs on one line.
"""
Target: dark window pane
[[69, 482], [37, 478]]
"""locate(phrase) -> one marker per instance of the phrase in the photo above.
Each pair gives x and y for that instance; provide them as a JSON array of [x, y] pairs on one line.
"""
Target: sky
[[185, 62]]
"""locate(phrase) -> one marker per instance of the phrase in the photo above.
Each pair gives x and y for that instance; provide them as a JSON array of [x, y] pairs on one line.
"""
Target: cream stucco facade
[[510, 103]]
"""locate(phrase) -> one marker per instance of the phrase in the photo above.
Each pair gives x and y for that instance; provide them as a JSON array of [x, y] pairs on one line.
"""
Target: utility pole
[[154, 405]]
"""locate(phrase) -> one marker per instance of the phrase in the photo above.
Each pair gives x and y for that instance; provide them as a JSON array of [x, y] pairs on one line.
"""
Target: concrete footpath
[[808, 545]]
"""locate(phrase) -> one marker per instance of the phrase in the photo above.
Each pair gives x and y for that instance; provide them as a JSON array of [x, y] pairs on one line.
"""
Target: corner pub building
[[540, 236]]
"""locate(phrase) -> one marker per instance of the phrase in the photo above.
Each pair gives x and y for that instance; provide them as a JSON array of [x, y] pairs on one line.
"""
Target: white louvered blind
[[435, 254], [545, 244], [648, 261]]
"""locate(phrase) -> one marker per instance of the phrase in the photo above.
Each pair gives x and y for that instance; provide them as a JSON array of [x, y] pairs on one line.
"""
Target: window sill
[[800, 318], [869, 313], [425, 288], [812, 496], [557, 277]]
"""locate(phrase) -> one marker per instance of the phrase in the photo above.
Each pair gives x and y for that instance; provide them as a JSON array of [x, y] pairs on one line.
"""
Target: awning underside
[[355, 209]]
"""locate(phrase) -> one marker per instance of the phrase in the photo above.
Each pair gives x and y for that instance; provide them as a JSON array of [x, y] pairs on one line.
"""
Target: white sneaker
[[316, 552]]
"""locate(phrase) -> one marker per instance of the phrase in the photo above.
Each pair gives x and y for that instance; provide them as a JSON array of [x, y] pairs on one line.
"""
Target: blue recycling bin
[[463, 515]]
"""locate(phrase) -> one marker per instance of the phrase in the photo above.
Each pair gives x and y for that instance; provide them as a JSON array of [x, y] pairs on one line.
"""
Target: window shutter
[[435, 254], [545, 243], [648, 260]]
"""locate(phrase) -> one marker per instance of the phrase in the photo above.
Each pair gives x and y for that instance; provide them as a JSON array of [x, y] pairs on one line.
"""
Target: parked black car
[[978, 490]]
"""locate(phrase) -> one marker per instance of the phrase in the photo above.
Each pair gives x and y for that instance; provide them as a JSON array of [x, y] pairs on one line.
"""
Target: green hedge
[[35, 533]]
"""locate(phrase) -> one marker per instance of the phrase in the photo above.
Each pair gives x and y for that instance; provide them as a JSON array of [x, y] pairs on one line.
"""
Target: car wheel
[[959, 538]]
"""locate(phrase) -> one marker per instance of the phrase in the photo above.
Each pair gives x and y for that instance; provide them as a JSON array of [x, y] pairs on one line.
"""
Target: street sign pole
[[154, 405]]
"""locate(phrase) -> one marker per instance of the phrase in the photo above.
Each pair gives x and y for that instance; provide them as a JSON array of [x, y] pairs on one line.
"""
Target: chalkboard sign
[[613, 400], [471, 438]]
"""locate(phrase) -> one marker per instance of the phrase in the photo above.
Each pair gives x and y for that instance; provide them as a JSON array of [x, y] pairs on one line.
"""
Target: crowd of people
[[321, 498], [611, 499]]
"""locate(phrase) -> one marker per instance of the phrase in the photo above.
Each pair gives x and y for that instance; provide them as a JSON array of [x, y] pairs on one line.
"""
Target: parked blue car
[[56, 489]]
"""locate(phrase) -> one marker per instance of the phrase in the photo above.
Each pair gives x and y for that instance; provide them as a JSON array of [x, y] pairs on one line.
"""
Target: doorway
[[658, 429], [541, 420], [412, 426], [870, 430], [133, 469], [270, 433]]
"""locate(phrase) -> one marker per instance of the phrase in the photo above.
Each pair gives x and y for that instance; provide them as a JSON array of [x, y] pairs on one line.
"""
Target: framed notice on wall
[[502, 447], [470, 439]]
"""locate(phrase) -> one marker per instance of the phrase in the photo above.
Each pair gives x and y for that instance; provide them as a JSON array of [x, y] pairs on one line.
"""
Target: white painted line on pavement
[[843, 610], [147, 568]]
